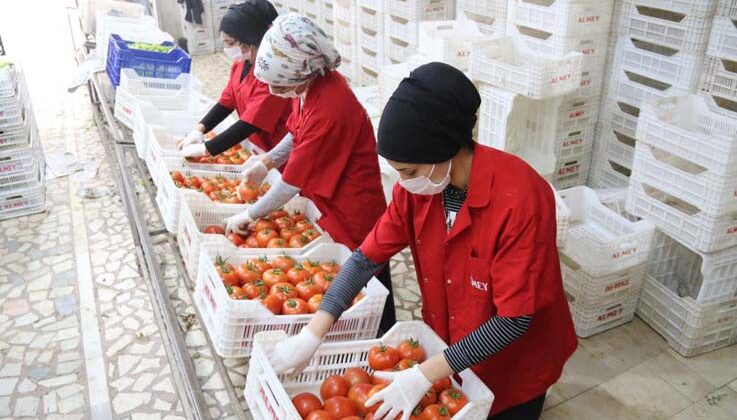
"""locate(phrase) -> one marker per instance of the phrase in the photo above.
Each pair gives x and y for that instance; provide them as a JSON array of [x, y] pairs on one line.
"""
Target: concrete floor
[[79, 332]]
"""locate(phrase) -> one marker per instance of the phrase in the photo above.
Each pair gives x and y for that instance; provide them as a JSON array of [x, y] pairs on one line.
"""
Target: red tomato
[[298, 241], [248, 192], [235, 239], [411, 349], [383, 357], [334, 385], [228, 275], [272, 303], [376, 388], [442, 384], [454, 399], [430, 398], [262, 264], [312, 266], [255, 289], [284, 291], [284, 222], [247, 273], [307, 289], [330, 267], [177, 176], [297, 216], [311, 234], [284, 263], [264, 236], [287, 233], [323, 279], [405, 364], [320, 415], [277, 214], [194, 182], [298, 274], [251, 241], [340, 407], [314, 303], [304, 225], [435, 412], [218, 230], [236, 292], [359, 394], [262, 224], [294, 306], [274, 276], [277, 243], [355, 376]]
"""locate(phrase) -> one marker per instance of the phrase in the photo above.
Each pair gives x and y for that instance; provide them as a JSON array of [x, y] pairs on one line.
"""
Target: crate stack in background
[[658, 51], [489, 15], [604, 259], [200, 28], [21, 157], [370, 37], [402, 24], [345, 37]]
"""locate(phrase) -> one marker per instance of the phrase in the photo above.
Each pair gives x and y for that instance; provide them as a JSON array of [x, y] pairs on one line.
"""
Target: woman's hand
[[195, 136], [295, 353]]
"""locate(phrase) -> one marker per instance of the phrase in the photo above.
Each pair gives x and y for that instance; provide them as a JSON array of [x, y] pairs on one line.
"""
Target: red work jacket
[[333, 160], [499, 258], [255, 105]]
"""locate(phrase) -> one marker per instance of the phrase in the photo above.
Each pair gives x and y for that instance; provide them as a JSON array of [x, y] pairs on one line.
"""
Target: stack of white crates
[[21, 157], [719, 74], [402, 24], [603, 261], [527, 108], [489, 15], [201, 38], [658, 52], [345, 36], [370, 36]]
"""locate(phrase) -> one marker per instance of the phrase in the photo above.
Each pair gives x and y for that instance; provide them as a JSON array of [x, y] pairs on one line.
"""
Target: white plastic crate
[[367, 76], [565, 17], [593, 319], [345, 10], [449, 41], [719, 77], [712, 192], [606, 173], [561, 218], [389, 78], [489, 15], [684, 32], [371, 39], [20, 165], [575, 143], [310, 7], [697, 7], [16, 136], [569, 172], [637, 88], [163, 94], [689, 328], [618, 114], [681, 220], [616, 145], [723, 39], [372, 4], [604, 290], [421, 10], [372, 60], [592, 46], [344, 31], [198, 212], [232, 324], [397, 50], [601, 240], [370, 18], [269, 395], [694, 128], [200, 38], [660, 63], [169, 196], [727, 8], [20, 203], [401, 28], [506, 63]]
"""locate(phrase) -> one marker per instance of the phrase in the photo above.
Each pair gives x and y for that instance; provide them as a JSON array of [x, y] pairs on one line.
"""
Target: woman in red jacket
[[481, 226], [261, 116], [330, 150]]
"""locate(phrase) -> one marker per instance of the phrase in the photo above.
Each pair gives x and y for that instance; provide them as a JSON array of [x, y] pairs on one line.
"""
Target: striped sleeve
[[485, 341], [353, 276]]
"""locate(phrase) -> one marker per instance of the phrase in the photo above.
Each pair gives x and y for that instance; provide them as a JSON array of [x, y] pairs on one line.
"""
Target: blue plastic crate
[[146, 63]]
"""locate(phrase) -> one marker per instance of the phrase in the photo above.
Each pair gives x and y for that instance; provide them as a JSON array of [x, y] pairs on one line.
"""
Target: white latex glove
[[194, 137], [194, 150], [255, 171], [402, 395], [294, 352], [239, 223]]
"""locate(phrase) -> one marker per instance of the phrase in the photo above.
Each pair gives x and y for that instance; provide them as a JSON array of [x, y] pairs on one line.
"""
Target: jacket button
[[417, 242], [449, 281], [432, 316], [452, 317], [425, 280]]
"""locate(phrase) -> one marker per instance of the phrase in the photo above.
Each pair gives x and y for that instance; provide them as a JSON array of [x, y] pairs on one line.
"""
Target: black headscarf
[[248, 22], [429, 117]]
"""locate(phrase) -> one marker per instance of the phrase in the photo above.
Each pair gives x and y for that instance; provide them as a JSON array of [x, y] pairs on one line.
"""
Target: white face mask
[[423, 185], [287, 95], [234, 53]]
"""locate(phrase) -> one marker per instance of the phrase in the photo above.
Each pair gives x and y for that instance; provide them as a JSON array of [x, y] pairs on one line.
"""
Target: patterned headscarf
[[294, 50]]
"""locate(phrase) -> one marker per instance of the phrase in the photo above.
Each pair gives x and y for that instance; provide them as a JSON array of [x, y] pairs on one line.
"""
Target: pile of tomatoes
[[278, 230], [283, 285], [236, 155], [344, 396], [220, 188]]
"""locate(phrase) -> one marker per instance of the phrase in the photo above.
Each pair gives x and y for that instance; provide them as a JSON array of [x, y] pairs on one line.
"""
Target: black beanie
[[429, 117], [248, 22]]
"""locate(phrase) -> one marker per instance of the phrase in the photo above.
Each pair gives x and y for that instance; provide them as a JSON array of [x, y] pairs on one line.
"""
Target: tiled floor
[[80, 335]]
